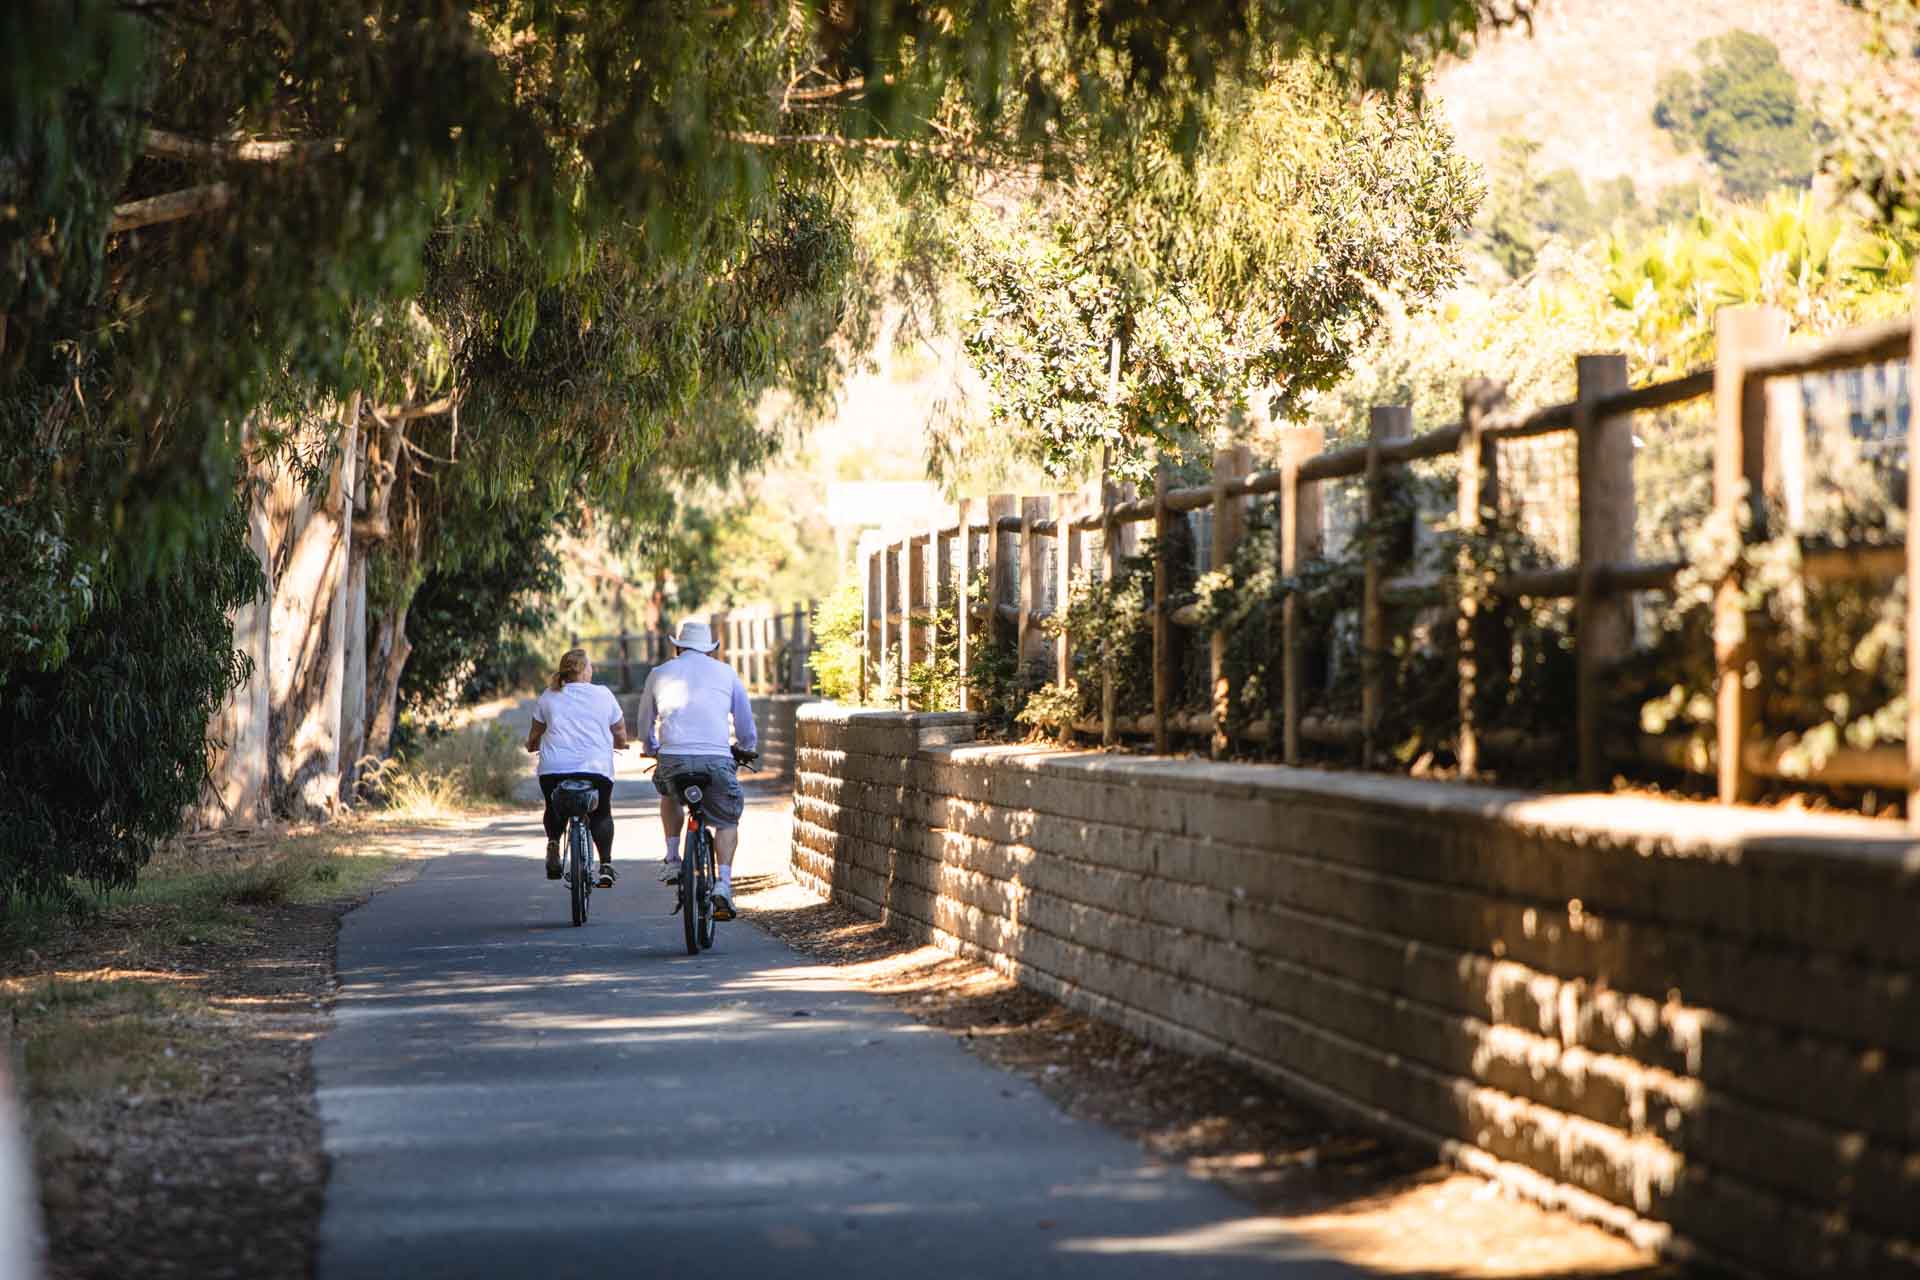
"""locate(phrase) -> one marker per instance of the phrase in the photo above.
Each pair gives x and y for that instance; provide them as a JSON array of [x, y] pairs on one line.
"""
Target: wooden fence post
[[1739, 479], [889, 567], [1033, 581], [917, 623], [1603, 624], [1003, 561], [1229, 526], [1067, 547], [901, 554], [1478, 509], [1385, 424], [963, 598], [1299, 542], [1913, 573], [1162, 624], [875, 601], [803, 616], [941, 577], [1110, 552]]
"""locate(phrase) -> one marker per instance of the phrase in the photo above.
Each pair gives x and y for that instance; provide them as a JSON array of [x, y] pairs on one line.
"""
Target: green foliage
[[997, 681], [1743, 110], [1134, 307], [1053, 709], [102, 754], [934, 685], [1651, 295], [1524, 208], [470, 618], [1109, 622], [840, 644], [1872, 154], [1829, 657]]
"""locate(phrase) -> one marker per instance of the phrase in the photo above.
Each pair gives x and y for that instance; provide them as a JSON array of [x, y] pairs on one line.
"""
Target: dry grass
[[469, 769], [163, 1037]]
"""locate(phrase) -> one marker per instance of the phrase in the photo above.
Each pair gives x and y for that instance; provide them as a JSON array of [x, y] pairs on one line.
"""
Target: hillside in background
[[1583, 84]]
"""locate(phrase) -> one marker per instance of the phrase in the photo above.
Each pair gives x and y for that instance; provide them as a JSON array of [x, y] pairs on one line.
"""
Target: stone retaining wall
[[774, 715], [1699, 1026]]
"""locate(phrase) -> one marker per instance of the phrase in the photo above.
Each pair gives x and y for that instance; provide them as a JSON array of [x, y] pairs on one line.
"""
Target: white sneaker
[[669, 870]]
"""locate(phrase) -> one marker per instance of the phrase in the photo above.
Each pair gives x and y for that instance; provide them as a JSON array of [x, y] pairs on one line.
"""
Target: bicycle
[[699, 871], [575, 801]]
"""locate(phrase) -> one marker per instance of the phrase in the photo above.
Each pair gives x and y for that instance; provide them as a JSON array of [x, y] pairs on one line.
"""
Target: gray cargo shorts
[[723, 802]]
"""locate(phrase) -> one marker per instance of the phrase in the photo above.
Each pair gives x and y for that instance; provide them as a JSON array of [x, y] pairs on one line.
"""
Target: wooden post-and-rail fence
[[767, 644], [1007, 544]]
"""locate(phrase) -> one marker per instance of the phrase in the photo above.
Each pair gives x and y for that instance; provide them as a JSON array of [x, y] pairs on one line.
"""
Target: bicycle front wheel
[[578, 871], [709, 878]]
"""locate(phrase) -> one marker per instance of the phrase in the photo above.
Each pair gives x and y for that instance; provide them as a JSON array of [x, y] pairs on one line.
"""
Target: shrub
[[450, 773], [838, 626], [102, 754], [1743, 110]]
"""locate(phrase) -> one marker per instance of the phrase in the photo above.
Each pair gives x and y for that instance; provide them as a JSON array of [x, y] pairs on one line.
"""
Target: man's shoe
[[607, 875], [553, 859], [670, 871], [722, 905]]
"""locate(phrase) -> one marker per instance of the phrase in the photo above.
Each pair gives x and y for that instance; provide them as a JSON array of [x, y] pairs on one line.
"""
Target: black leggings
[[600, 824]]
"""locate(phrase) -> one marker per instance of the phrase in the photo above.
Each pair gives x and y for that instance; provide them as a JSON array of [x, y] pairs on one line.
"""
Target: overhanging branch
[[171, 207], [177, 146]]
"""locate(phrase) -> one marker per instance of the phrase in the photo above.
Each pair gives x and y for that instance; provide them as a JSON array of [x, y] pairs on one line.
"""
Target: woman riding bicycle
[[577, 726]]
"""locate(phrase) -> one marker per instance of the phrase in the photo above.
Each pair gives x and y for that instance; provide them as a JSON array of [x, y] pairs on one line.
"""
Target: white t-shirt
[[579, 738], [695, 706]]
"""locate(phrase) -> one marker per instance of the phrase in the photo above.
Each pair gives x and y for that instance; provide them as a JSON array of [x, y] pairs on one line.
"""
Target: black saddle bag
[[575, 799]]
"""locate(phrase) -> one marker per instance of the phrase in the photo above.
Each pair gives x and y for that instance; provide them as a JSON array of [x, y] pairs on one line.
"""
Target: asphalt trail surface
[[506, 1095]]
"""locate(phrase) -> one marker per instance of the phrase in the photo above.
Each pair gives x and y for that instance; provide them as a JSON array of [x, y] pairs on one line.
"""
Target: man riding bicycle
[[694, 715]]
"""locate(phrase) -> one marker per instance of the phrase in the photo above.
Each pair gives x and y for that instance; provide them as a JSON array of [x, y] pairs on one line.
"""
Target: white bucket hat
[[697, 636]]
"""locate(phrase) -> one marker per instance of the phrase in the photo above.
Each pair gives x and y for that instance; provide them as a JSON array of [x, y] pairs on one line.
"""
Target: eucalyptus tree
[[220, 224], [1134, 305]]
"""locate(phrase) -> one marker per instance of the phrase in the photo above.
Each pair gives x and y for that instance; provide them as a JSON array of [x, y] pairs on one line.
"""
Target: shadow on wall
[[1699, 1028]]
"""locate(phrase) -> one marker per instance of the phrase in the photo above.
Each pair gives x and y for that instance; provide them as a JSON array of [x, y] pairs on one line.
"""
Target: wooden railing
[[767, 644], [908, 575]]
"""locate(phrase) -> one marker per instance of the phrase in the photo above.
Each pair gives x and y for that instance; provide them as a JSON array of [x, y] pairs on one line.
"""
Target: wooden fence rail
[[910, 577], [767, 644]]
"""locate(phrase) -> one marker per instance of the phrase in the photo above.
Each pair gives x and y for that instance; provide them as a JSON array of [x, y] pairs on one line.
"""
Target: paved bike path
[[506, 1095]]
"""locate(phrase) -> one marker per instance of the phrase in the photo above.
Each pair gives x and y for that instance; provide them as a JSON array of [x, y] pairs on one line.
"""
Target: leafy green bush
[[102, 754], [1743, 110], [840, 644]]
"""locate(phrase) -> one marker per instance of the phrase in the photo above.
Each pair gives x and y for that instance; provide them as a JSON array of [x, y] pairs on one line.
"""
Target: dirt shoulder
[[163, 1045], [1365, 1201]]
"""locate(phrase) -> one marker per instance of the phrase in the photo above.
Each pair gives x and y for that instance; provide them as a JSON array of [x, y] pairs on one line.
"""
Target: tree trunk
[[388, 651], [237, 790], [310, 540], [353, 690]]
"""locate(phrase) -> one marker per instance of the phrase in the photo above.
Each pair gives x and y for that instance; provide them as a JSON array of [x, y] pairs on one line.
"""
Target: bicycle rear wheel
[[690, 894], [578, 872], [709, 878]]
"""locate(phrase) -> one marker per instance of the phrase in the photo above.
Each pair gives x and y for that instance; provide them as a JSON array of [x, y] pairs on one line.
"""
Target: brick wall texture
[[1699, 1026], [774, 716]]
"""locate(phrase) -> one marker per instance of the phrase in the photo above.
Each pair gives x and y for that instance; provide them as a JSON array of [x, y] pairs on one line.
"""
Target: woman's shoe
[[553, 859]]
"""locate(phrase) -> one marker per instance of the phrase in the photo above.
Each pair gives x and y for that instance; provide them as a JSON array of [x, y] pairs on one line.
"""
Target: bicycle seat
[[574, 798], [685, 782]]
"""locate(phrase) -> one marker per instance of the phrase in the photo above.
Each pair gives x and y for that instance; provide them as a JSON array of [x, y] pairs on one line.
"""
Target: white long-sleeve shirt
[[686, 707]]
